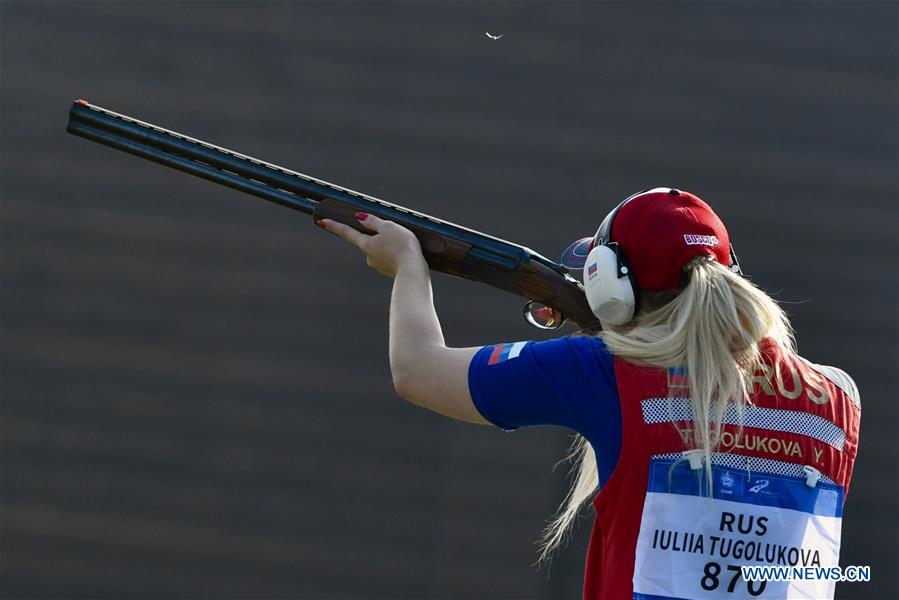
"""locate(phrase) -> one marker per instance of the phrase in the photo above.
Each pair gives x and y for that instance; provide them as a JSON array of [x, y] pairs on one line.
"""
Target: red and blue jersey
[[779, 474]]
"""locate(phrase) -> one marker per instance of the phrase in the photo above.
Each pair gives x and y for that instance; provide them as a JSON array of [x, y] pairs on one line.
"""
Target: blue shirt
[[567, 381]]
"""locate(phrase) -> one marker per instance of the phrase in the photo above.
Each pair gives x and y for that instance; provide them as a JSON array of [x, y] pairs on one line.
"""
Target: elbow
[[406, 371], [416, 374], [402, 383], [400, 386], [411, 386], [407, 390]]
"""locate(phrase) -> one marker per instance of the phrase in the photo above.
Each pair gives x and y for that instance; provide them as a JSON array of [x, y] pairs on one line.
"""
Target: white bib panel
[[692, 546]]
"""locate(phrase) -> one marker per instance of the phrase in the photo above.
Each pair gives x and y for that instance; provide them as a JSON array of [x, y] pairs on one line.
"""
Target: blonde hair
[[712, 329]]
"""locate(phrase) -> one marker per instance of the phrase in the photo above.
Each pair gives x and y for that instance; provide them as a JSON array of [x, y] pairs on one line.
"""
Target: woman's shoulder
[[838, 377], [773, 353], [584, 340], [589, 344]]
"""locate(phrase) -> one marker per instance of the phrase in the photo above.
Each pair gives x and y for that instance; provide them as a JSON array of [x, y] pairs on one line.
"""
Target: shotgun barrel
[[448, 247]]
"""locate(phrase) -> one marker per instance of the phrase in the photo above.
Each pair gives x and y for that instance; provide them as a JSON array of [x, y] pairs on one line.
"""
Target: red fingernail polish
[[321, 224], [361, 216]]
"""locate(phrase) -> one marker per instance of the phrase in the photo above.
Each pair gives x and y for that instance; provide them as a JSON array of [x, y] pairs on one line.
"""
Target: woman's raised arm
[[425, 371]]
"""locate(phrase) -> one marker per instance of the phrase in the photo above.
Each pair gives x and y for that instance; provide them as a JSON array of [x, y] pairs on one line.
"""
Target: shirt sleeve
[[567, 381]]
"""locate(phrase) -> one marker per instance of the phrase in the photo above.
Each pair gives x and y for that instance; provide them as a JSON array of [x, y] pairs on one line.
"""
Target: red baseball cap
[[658, 231]]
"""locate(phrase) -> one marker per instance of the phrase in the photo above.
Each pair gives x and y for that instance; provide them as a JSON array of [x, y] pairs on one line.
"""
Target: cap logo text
[[694, 239]]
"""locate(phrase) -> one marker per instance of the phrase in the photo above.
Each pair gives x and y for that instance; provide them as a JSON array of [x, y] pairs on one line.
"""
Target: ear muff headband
[[604, 233]]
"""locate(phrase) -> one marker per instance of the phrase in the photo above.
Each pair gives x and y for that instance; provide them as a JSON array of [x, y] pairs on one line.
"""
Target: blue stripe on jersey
[[736, 485]]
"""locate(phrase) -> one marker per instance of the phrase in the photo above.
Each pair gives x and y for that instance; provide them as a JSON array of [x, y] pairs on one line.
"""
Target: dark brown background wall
[[195, 391]]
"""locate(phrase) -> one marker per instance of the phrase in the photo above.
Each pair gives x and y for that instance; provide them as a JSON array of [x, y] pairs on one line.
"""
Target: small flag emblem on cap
[[591, 271]]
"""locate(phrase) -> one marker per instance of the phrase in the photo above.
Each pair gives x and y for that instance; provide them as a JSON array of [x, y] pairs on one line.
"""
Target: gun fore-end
[[442, 253], [528, 279]]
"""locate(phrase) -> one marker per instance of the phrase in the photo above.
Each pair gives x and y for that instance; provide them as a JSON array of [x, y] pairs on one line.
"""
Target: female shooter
[[705, 442]]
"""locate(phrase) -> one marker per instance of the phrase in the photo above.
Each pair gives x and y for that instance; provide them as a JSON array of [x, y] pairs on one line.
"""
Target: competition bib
[[692, 544]]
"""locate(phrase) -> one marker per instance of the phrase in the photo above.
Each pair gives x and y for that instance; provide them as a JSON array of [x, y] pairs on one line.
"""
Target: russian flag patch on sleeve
[[504, 352]]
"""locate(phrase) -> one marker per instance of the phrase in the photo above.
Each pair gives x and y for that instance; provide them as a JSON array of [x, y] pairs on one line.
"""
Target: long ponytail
[[712, 330]]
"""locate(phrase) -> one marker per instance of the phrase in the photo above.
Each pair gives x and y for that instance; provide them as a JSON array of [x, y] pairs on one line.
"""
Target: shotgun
[[553, 295]]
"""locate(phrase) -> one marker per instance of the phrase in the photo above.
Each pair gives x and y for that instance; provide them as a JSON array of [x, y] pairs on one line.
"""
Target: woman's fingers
[[370, 222], [384, 248], [357, 238]]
